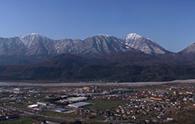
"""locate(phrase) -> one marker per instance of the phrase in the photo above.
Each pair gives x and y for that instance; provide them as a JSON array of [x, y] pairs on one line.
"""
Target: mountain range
[[35, 44], [100, 57]]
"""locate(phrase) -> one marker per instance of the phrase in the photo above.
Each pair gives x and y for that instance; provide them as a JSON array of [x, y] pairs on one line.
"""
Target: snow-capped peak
[[133, 36], [34, 34], [143, 44], [30, 35]]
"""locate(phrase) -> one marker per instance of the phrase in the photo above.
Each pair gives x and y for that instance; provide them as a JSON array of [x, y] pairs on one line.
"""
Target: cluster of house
[[6, 114], [156, 106]]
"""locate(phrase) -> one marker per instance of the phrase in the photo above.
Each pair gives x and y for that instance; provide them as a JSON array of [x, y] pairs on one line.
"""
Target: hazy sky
[[171, 23]]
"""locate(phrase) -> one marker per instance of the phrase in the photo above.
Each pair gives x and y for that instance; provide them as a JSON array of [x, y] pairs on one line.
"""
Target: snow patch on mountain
[[138, 42]]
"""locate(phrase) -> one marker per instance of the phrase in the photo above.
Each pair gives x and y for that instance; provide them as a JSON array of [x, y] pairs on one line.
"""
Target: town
[[101, 104]]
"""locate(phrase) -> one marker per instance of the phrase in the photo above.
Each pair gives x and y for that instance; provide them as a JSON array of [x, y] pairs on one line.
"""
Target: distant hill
[[101, 57], [34, 48], [121, 68]]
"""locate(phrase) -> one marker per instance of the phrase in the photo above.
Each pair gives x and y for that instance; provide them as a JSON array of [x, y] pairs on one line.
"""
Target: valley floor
[[63, 103]]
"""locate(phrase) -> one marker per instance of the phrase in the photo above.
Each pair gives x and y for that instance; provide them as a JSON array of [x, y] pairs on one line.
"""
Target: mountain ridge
[[34, 48], [36, 44], [143, 44]]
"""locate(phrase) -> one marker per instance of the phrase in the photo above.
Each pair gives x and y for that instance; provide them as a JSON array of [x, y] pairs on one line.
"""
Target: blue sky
[[171, 23]]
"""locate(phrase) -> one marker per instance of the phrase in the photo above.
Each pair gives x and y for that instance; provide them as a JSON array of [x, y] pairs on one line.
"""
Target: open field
[[18, 121]]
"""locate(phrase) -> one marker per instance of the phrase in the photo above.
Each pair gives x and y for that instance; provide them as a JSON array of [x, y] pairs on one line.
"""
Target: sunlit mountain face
[[100, 57], [35, 44]]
